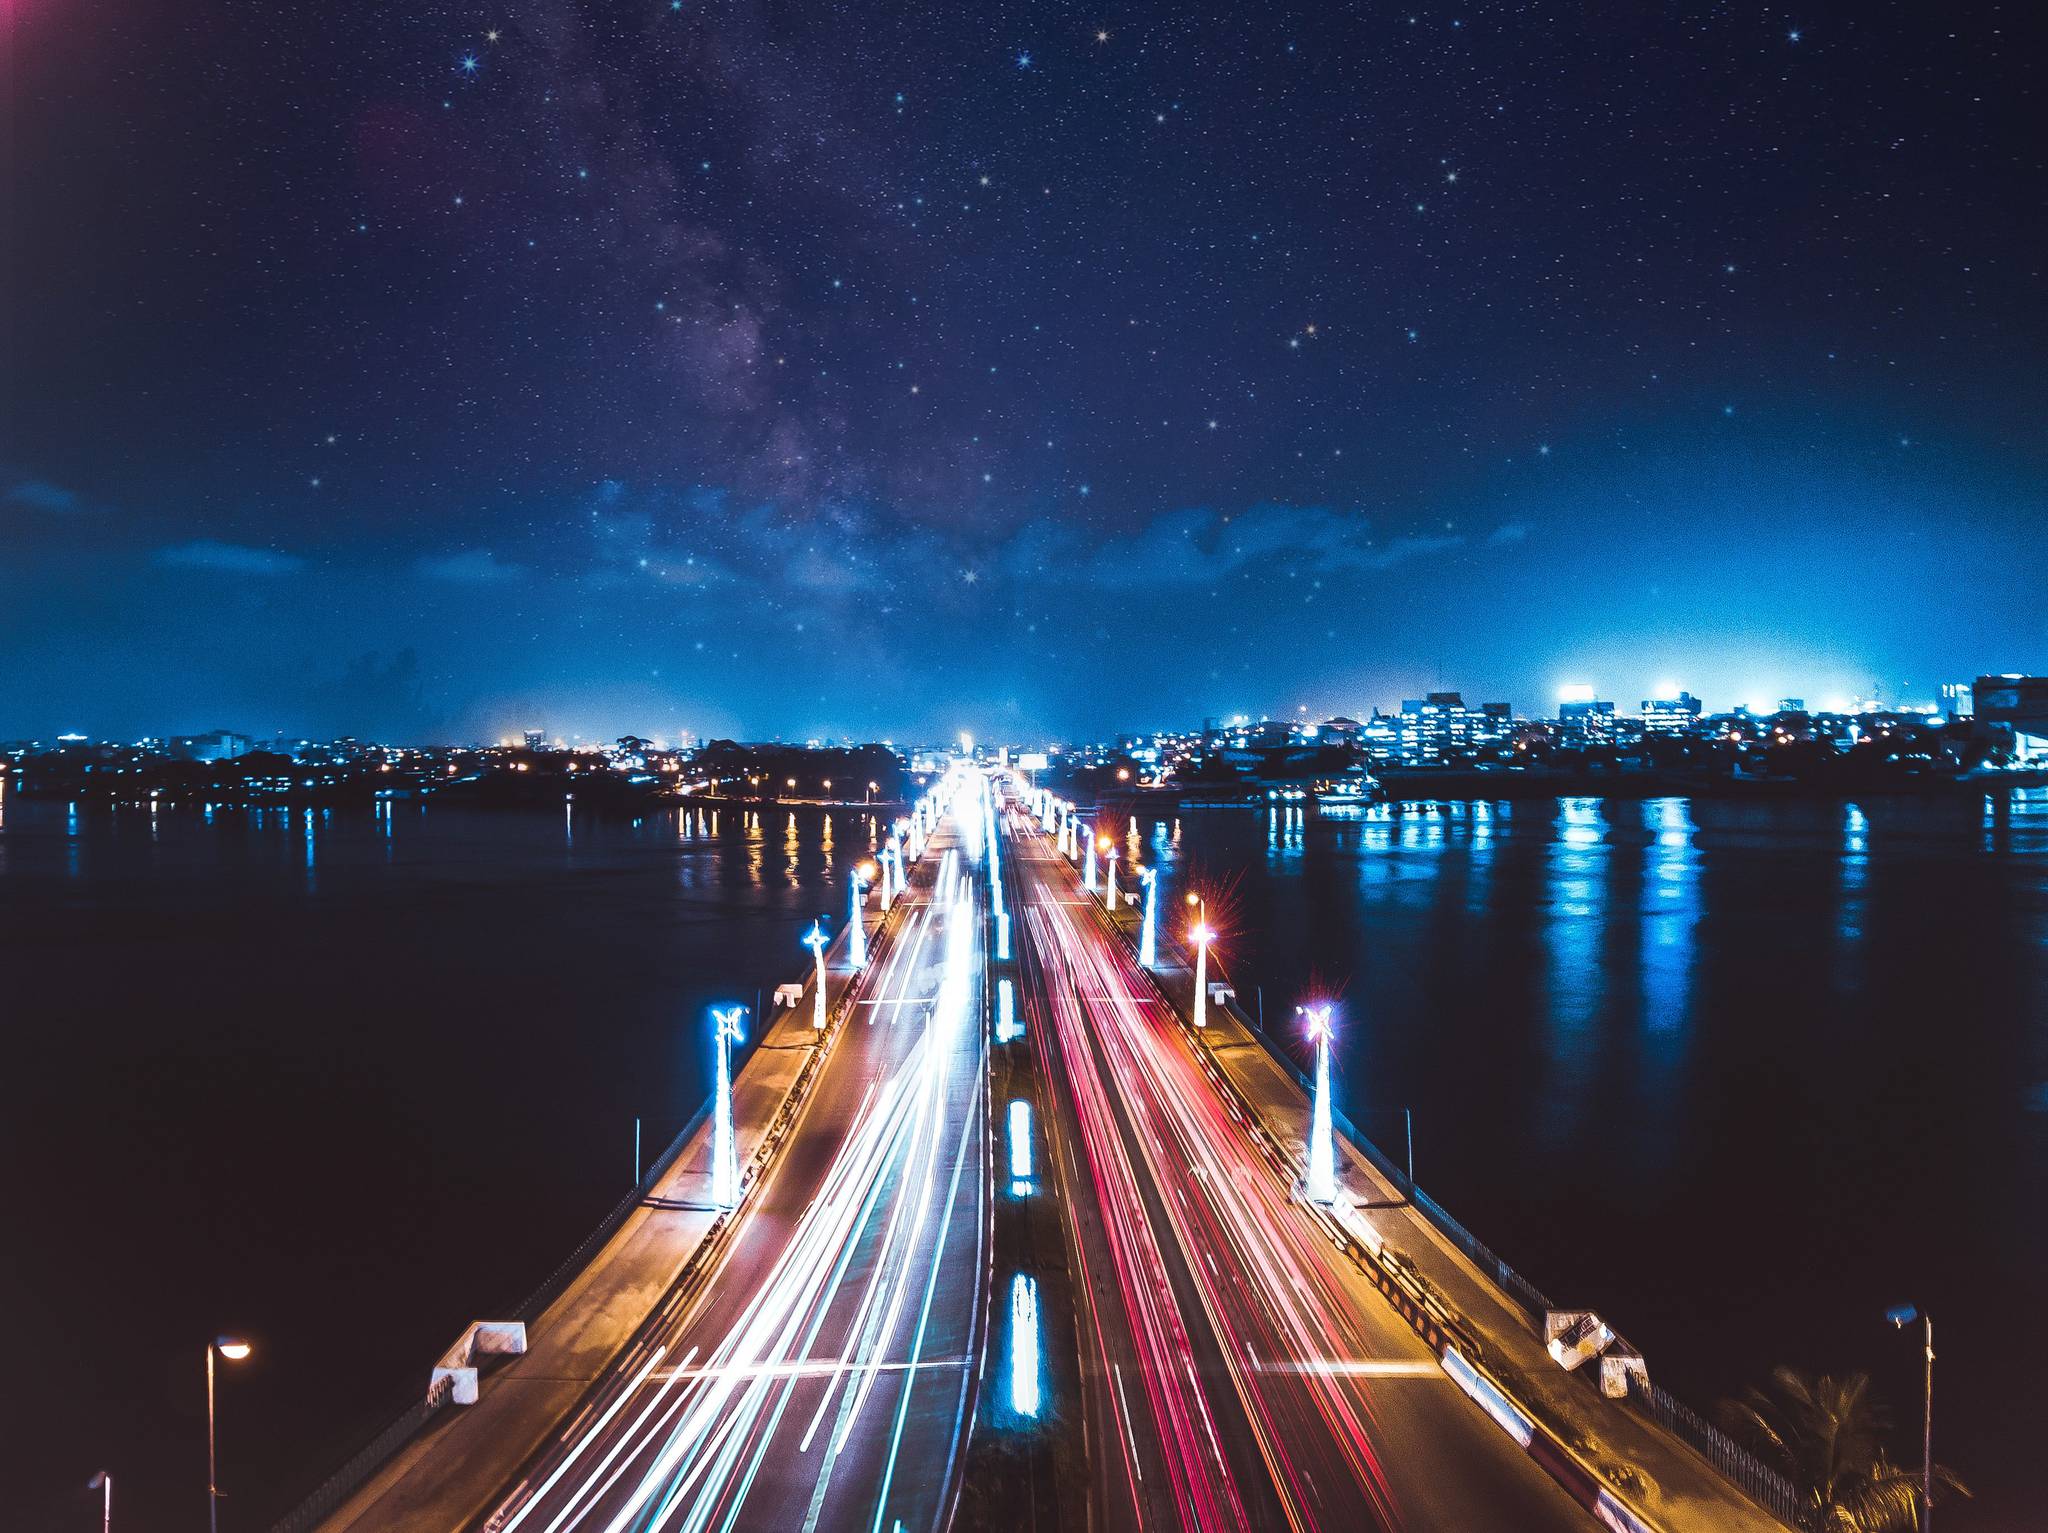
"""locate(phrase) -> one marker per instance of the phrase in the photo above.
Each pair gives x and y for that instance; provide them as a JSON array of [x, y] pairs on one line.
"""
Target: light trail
[[770, 1426]]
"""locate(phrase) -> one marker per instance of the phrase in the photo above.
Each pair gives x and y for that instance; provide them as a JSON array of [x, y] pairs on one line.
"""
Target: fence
[[1762, 1484]]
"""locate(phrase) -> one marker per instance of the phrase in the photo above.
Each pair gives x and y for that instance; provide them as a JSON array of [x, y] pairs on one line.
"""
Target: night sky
[[434, 372]]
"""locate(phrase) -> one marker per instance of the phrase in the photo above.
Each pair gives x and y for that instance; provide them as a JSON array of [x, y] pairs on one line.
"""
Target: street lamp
[[103, 1482], [1322, 1152], [816, 940], [1901, 1317], [856, 932], [234, 1349], [1201, 937], [1148, 952], [1088, 877], [1109, 874], [725, 1154]]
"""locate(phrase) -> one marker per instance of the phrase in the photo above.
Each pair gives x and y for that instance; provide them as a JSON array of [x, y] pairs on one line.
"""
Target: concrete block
[[456, 1371]]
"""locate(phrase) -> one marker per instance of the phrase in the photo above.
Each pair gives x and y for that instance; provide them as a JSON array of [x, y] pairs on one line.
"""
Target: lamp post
[[856, 931], [1901, 1317], [234, 1349], [725, 1154], [1109, 874], [1148, 953], [1201, 936], [1322, 1152], [816, 940], [1088, 877], [103, 1482]]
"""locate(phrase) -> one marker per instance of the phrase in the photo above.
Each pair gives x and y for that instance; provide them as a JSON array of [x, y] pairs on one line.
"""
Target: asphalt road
[[825, 1376], [1235, 1372]]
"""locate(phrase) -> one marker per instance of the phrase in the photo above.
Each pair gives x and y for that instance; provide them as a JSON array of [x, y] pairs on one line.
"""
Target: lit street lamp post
[[1148, 952], [103, 1482], [1322, 1152], [1200, 937], [856, 930], [725, 1154], [1900, 1318], [816, 940], [234, 1349], [1109, 874], [1088, 877]]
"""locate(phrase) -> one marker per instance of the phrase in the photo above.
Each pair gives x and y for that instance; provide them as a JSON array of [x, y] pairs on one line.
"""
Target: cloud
[[1507, 533], [1199, 545], [42, 496], [228, 558], [476, 566]]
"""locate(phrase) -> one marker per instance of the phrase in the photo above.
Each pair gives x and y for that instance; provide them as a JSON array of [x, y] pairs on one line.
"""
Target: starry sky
[[433, 372]]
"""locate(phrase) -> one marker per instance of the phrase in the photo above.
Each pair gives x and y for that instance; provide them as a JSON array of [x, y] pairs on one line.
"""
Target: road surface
[[825, 1375]]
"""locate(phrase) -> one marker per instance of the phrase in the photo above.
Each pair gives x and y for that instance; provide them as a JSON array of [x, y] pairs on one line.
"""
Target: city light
[[725, 1155], [1020, 1148], [816, 940], [1575, 692], [1008, 1028], [1321, 1182], [1024, 1346]]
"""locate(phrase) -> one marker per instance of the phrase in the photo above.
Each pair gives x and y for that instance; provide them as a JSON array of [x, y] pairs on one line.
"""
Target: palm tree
[[1827, 1436]]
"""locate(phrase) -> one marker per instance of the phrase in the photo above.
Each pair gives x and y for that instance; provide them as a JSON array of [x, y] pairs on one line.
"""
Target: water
[[1740, 1076], [344, 1082]]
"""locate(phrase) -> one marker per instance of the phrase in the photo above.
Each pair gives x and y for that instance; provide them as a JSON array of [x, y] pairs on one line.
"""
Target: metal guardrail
[[1755, 1479]]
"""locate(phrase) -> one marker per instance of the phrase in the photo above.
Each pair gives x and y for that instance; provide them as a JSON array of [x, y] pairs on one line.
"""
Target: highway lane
[[824, 1377], [1328, 1411]]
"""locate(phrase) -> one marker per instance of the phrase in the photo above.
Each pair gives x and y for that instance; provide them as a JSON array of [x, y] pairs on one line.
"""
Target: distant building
[[1435, 728], [1587, 721], [2020, 703], [220, 745], [536, 739], [1671, 715], [1958, 699]]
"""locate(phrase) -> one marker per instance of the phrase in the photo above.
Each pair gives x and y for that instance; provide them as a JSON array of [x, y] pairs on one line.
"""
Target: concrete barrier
[[455, 1373]]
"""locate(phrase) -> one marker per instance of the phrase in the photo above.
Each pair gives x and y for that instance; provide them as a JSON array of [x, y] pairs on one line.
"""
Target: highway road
[[1237, 1373], [825, 1376]]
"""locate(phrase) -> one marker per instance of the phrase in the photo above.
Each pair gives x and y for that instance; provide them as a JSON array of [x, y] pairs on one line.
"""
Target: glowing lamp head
[[1902, 1315], [1316, 1020], [867, 872], [1202, 936], [1194, 899], [233, 1348], [1104, 843]]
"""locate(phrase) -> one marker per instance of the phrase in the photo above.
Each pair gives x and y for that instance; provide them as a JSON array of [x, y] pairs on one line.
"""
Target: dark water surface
[[343, 1083], [1740, 1076]]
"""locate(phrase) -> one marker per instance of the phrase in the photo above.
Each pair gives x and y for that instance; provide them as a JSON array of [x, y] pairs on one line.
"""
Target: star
[[972, 577], [491, 36], [1543, 450], [1023, 61], [470, 63], [1792, 36], [1102, 35]]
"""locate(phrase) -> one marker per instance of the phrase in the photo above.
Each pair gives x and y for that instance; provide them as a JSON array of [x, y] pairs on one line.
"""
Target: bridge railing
[[1761, 1483]]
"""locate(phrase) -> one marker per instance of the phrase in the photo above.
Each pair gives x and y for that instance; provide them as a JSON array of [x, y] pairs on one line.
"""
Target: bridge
[[1007, 1229]]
